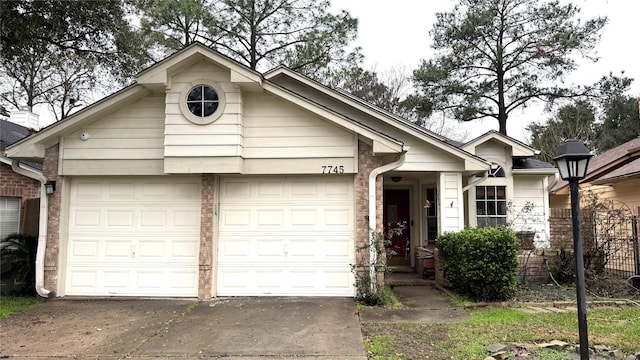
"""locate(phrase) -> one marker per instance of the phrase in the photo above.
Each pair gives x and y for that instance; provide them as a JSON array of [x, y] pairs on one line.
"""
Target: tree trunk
[[502, 121]]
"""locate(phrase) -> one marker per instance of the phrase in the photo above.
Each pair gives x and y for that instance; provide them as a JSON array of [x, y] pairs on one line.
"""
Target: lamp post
[[572, 160]]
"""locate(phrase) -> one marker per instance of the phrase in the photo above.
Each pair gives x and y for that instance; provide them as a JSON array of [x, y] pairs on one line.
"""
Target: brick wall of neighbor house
[[206, 237], [16, 185], [532, 266], [561, 229], [366, 163], [50, 171]]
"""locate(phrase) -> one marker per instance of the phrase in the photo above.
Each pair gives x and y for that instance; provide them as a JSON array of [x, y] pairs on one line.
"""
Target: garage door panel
[[286, 236], [295, 280], [270, 217], [116, 279], [133, 237], [133, 281], [114, 249]]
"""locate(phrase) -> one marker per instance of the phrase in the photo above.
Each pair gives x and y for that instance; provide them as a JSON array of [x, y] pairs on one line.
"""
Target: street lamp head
[[572, 159]]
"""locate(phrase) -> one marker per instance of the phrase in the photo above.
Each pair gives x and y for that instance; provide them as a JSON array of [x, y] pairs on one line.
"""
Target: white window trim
[[197, 119]]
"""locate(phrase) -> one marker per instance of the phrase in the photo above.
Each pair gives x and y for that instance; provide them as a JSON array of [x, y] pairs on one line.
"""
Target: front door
[[396, 213]]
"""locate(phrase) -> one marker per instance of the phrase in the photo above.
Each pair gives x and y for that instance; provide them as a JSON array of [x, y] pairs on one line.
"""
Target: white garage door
[[133, 237], [290, 236]]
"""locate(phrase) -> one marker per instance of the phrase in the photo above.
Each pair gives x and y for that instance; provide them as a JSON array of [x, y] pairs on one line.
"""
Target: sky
[[396, 34]]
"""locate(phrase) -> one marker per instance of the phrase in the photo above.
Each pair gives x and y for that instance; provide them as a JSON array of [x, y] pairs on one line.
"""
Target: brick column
[[206, 237], [50, 171]]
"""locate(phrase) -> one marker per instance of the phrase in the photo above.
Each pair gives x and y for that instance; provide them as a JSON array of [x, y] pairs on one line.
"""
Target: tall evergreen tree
[[261, 34], [620, 121], [572, 121], [496, 56]]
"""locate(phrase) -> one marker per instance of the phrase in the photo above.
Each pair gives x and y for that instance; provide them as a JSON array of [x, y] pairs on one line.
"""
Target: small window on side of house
[[9, 215]]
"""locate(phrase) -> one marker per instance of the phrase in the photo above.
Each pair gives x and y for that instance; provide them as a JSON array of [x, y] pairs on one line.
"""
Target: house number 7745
[[333, 169]]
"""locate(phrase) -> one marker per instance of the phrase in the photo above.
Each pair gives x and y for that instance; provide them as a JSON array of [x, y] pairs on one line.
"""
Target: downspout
[[373, 257], [42, 232]]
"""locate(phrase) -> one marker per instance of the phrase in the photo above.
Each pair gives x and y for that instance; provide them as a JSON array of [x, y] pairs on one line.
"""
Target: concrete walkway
[[233, 328], [423, 302]]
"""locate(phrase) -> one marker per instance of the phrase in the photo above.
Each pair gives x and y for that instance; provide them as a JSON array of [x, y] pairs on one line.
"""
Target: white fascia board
[[470, 160], [518, 149], [383, 143], [161, 72], [33, 147]]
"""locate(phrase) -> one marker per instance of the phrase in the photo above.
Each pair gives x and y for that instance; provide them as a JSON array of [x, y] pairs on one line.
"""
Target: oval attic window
[[202, 101]]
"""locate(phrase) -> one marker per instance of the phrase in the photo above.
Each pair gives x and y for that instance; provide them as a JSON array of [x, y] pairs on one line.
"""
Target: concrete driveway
[[231, 328]]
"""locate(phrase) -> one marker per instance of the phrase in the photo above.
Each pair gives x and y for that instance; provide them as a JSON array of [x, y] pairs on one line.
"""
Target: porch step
[[406, 278]]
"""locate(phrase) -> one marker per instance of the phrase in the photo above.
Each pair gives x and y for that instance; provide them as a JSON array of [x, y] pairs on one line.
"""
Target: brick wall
[[206, 237], [366, 163], [532, 264], [16, 185], [50, 171], [561, 229]]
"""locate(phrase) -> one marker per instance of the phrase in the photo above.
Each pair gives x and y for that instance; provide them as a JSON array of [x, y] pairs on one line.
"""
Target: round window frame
[[197, 119]]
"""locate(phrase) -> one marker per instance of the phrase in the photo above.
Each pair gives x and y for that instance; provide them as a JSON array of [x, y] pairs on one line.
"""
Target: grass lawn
[[618, 328], [14, 304]]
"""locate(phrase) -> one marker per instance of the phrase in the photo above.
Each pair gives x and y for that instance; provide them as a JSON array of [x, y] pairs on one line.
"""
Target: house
[[613, 175], [205, 178], [19, 191]]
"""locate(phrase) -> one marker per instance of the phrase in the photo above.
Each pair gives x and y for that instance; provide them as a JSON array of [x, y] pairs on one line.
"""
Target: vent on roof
[[26, 118]]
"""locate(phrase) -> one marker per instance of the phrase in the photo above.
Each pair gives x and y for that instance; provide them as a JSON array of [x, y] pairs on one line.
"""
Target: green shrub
[[563, 267], [481, 263], [18, 259]]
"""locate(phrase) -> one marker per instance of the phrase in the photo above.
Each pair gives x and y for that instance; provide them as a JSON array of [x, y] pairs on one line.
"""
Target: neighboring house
[[205, 178], [612, 175], [17, 213]]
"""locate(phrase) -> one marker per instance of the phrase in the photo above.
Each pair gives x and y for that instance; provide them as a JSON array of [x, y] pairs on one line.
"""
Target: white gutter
[[476, 182], [373, 257], [42, 232]]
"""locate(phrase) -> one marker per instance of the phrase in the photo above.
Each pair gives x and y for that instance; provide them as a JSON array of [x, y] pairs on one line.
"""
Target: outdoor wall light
[[572, 160], [396, 178], [50, 187]]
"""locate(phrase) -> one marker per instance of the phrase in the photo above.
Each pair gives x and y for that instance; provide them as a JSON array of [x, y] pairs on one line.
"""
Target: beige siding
[[530, 189], [221, 138], [275, 129], [624, 193], [494, 151], [119, 142], [420, 157]]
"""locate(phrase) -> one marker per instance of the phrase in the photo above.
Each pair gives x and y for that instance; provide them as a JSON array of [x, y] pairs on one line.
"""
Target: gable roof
[[472, 161], [619, 162], [520, 149], [158, 77]]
